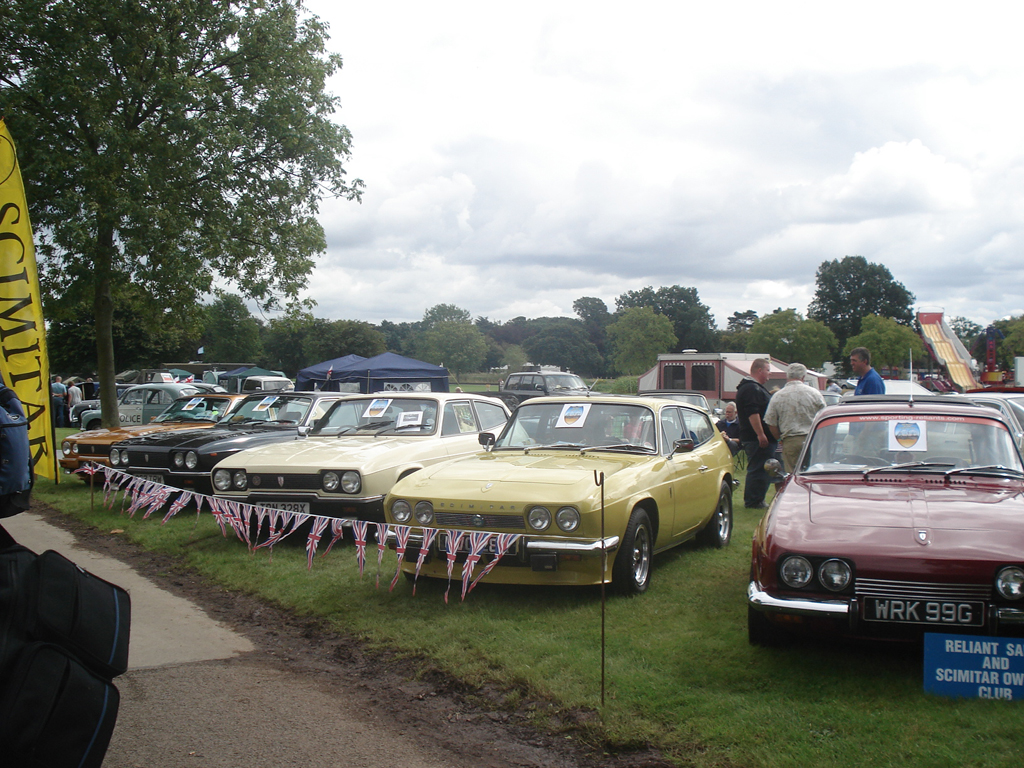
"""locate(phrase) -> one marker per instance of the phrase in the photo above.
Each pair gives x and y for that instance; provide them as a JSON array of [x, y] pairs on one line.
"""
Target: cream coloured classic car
[[660, 468], [357, 450]]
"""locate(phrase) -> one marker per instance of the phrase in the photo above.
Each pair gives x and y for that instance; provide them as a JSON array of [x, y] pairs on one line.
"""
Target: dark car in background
[[904, 515], [185, 459], [522, 386]]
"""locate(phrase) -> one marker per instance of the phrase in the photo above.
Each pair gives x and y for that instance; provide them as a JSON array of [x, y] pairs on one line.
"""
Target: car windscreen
[[580, 424], [270, 408], [379, 415], [911, 443], [564, 381], [197, 408]]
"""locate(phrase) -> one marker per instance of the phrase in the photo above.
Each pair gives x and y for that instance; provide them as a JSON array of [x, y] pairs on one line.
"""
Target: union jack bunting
[[217, 509], [275, 528], [502, 544], [454, 542], [89, 469], [477, 543], [402, 533], [158, 497], [359, 528], [429, 534], [337, 529], [315, 533], [177, 505], [382, 544]]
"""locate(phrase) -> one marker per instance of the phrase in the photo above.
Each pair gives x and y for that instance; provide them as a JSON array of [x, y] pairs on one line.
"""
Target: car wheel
[[718, 531], [632, 570], [761, 631], [94, 424]]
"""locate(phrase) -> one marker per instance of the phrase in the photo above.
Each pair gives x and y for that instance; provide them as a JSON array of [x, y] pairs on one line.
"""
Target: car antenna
[[910, 376], [591, 387]]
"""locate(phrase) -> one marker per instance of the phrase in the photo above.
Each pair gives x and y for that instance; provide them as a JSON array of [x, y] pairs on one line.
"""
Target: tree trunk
[[103, 308]]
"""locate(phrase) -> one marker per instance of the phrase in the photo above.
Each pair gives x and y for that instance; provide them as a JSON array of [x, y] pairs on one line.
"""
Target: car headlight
[[115, 459], [191, 460], [796, 572], [222, 479], [835, 575], [239, 480], [1010, 582], [66, 447], [350, 482], [424, 512], [124, 457], [330, 481], [178, 459], [401, 511], [568, 519], [539, 518]]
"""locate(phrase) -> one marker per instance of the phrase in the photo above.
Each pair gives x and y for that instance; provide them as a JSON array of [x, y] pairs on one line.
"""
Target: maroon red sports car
[[903, 516]]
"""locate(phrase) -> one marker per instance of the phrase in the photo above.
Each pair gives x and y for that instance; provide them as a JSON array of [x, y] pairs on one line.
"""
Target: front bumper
[[848, 609]]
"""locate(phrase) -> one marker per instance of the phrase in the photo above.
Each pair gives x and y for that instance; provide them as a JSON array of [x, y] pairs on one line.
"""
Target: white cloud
[[519, 157]]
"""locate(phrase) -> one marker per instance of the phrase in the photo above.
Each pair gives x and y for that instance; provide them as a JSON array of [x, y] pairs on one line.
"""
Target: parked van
[[267, 384]]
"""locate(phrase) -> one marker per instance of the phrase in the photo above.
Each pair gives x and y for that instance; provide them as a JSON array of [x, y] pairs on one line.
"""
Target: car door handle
[[703, 468]]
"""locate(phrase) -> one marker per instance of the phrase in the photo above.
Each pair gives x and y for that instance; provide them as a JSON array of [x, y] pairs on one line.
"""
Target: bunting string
[[247, 521]]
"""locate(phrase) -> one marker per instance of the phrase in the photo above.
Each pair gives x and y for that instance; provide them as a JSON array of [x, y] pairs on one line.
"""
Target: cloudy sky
[[518, 156]]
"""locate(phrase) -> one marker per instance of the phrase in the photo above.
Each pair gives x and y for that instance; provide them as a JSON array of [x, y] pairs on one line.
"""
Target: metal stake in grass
[[599, 481]]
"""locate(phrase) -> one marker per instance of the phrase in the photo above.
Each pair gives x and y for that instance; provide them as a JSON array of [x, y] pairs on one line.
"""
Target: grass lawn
[[679, 671]]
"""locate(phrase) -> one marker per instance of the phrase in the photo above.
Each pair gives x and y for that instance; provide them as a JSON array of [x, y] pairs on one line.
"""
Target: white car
[[357, 451]]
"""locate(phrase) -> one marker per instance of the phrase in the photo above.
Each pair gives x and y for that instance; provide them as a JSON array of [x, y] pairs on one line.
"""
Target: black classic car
[[186, 458]]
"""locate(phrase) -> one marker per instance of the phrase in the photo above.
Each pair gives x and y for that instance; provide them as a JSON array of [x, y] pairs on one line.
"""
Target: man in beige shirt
[[791, 411]]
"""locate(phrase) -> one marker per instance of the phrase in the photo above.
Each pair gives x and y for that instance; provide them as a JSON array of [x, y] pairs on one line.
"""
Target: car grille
[[91, 449], [261, 481], [921, 590], [490, 522], [157, 460]]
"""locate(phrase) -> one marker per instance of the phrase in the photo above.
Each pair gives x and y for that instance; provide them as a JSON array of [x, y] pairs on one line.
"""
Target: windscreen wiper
[[909, 465], [987, 469]]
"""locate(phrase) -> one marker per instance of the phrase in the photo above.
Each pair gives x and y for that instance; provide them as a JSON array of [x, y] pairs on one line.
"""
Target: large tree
[[170, 144], [637, 337], [849, 289], [891, 344], [785, 335], [563, 341], [692, 322], [231, 333]]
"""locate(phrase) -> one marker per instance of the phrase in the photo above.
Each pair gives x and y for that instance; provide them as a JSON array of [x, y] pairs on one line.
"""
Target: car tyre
[[718, 531], [94, 424], [631, 573]]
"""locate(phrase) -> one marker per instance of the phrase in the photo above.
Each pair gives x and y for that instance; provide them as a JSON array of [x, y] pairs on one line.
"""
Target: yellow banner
[[23, 361]]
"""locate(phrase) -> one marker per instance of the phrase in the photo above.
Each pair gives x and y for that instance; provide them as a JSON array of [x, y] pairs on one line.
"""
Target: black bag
[[54, 712], [63, 637]]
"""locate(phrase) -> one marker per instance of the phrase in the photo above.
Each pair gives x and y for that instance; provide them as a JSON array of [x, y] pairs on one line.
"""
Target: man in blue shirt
[[870, 382]]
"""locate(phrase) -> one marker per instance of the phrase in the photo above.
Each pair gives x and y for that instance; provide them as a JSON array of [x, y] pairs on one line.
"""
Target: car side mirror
[[682, 445], [303, 430], [486, 439], [774, 468]]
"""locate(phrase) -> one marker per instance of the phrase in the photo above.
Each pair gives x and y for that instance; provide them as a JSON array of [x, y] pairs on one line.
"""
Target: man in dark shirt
[[751, 402]]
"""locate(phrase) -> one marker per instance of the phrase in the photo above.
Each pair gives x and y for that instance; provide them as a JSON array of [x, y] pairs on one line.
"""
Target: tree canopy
[[692, 322], [170, 145], [637, 337], [852, 288], [786, 335], [891, 344]]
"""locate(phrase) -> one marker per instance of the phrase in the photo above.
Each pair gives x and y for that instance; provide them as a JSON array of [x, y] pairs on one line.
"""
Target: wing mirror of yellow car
[[486, 439], [682, 445]]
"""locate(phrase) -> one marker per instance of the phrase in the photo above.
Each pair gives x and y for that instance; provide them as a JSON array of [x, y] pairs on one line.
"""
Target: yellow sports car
[[571, 483]]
